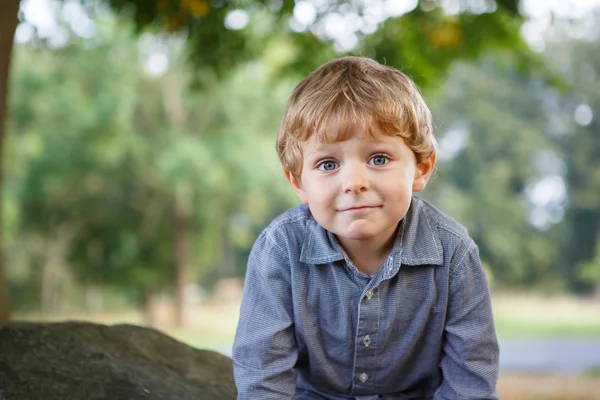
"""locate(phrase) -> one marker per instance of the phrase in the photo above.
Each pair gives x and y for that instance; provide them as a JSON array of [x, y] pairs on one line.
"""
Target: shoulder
[[278, 248], [294, 217], [445, 224], [292, 222], [432, 237], [287, 231]]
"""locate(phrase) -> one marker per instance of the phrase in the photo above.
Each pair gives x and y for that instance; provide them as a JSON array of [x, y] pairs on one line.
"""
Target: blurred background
[[139, 164]]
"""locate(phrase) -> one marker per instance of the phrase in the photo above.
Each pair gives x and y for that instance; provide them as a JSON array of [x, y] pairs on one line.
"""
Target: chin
[[358, 235]]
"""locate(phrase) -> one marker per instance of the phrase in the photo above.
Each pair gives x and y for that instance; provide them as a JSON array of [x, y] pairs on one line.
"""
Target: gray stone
[[85, 361]]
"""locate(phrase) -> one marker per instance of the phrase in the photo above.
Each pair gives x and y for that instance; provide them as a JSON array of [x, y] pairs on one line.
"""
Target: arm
[[265, 351], [470, 351]]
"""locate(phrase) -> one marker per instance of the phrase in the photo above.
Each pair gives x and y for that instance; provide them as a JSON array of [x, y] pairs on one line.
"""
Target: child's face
[[359, 189]]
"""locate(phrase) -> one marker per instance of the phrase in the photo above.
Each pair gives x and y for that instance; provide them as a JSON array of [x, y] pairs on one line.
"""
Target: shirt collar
[[420, 241]]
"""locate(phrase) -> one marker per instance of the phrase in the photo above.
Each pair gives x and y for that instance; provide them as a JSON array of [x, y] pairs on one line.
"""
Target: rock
[[85, 361]]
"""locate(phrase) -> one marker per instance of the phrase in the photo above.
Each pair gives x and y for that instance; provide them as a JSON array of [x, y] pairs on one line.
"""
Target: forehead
[[364, 138]]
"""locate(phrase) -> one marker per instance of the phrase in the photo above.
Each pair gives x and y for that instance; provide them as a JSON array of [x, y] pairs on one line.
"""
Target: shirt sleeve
[[470, 351], [265, 350]]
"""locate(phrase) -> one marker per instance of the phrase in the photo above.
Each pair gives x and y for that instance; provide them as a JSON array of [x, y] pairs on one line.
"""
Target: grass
[[212, 324], [534, 316], [593, 372]]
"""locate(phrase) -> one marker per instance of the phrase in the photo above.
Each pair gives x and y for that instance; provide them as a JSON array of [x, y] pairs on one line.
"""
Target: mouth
[[358, 208]]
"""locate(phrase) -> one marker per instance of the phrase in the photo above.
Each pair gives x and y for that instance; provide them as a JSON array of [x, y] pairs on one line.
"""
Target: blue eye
[[328, 165], [379, 160]]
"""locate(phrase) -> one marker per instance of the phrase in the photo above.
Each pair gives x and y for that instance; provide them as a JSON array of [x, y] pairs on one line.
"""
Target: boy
[[363, 291]]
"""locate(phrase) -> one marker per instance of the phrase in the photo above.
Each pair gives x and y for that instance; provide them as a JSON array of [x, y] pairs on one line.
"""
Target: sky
[[565, 8], [540, 12], [39, 13]]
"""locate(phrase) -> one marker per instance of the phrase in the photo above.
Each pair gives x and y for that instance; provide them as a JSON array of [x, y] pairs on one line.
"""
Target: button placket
[[366, 340]]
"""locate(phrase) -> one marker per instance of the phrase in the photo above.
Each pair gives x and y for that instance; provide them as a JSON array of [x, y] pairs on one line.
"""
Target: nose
[[355, 179]]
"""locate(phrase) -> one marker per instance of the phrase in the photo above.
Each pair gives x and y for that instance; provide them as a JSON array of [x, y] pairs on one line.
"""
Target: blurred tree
[[490, 121], [520, 163], [8, 24], [424, 39], [73, 183], [127, 179], [576, 128]]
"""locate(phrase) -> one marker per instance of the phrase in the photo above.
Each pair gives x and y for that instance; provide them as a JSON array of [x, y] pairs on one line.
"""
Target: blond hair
[[353, 93]]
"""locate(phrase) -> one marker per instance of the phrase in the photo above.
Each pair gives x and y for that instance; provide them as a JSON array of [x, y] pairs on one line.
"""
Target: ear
[[297, 186], [423, 173]]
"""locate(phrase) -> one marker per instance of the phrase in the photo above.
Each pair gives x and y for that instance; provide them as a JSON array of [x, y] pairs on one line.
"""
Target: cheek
[[398, 200], [321, 197], [396, 186], [314, 193], [321, 200]]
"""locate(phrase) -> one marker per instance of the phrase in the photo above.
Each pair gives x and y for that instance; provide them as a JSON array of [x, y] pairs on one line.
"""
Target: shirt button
[[369, 294], [363, 377], [367, 340]]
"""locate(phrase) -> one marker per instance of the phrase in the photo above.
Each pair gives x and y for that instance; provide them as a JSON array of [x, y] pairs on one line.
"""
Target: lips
[[358, 208]]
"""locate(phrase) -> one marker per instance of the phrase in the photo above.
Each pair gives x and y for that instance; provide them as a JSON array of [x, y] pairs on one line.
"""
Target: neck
[[369, 255]]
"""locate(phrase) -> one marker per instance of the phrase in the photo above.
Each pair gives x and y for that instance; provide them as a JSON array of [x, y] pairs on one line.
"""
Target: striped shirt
[[312, 326]]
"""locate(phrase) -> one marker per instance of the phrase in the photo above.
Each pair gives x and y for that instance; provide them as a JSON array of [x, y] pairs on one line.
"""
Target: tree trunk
[[151, 318], [48, 288], [94, 299], [8, 23], [93, 288], [172, 93], [183, 236], [54, 275], [227, 267]]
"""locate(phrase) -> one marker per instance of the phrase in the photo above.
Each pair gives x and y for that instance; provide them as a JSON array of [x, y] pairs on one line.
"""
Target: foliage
[[519, 165], [110, 170], [490, 121], [424, 40], [104, 158], [576, 128], [218, 47]]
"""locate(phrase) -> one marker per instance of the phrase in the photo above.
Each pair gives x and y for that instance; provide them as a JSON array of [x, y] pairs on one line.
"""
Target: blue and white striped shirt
[[314, 327]]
